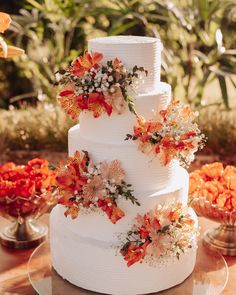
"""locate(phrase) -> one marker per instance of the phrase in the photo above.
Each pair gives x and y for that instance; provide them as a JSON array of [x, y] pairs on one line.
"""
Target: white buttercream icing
[[133, 50], [141, 170], [113, 129], [93, 265]]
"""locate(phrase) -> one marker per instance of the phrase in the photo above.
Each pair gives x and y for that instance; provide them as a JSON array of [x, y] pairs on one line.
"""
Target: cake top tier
[[125, 40], [133, 50]]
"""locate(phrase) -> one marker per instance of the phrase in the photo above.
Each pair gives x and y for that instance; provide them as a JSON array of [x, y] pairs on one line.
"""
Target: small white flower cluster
[[102, 78], [95, 80], [177, 125]]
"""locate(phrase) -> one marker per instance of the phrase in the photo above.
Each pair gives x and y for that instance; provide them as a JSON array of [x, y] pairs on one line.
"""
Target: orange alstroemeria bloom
[[110, 208], [86, 62], [136, 254]]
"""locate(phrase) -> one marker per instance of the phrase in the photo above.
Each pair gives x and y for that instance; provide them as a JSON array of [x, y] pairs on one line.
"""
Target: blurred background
[[199, 61]]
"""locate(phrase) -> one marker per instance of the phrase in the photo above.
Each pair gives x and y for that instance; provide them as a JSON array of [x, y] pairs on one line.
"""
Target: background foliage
[[198, 36]]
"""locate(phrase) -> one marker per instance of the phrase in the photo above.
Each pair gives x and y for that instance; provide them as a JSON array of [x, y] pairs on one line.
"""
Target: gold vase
[[223, 237], [24, 231]]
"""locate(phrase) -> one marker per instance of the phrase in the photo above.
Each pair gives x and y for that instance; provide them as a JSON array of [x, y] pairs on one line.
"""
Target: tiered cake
[[83, 249]]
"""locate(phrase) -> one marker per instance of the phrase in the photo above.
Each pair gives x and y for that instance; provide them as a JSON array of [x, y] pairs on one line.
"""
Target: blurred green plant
[[52, 32], [198, 36], [201, 34], [219, 125], [46, 127], [35, 128]]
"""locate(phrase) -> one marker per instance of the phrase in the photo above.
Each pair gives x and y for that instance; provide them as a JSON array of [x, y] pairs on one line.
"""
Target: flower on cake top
[[215, 183], [5, 50], [162, 233], [173, 134], [88, 84], [83, 185]]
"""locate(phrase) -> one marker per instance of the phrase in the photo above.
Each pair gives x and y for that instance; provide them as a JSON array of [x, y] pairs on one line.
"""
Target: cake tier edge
[[100, 269]]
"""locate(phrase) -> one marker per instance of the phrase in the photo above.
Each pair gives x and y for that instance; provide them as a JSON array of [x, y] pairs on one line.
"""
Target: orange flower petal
[[12, 51], [213, 171], [5, 21]]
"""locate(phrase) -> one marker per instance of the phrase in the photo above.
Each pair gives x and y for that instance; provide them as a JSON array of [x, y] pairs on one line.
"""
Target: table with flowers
[[14, 276]]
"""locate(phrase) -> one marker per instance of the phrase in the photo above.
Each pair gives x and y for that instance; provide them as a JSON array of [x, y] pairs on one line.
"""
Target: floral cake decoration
[[96, 86], [215, 183], [173, 134], [84, 186], [160, 234]]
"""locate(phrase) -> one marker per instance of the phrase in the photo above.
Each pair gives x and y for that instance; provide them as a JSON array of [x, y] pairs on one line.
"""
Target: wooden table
[[13, 268]]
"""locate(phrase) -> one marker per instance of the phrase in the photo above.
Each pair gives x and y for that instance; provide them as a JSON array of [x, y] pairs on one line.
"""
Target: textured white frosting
[[96, 266], [104, 138], [113, 129], [133, 50], [87, 225], [142, 171]]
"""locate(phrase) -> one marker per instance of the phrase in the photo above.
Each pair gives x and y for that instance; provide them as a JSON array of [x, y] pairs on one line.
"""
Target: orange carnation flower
[[212, 171], [216, 184]]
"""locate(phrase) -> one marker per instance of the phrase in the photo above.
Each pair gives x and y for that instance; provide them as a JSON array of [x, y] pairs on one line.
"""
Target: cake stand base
[[23, 235], [221, 239], [210, 275]]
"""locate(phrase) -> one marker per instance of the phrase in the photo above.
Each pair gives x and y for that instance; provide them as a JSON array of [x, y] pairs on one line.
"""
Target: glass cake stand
[[209, 276]]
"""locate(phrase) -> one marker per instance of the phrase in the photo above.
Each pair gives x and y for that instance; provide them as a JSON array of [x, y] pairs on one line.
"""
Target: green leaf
[[35, 4], [224, 92], [232, 81], [203, 7], [122, 28]]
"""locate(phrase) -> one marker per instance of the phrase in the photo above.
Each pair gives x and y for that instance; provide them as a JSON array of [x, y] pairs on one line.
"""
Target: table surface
[[13, 267]]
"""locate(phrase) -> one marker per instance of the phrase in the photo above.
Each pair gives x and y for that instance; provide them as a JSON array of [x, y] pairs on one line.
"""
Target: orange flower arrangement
[[22, 186], [215, 183], [87, 84], [5, 50], [162, 233], [85, 186], [172, 135]]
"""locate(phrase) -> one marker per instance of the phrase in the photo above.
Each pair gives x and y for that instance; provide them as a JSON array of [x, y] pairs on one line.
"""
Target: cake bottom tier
[[96, 266]]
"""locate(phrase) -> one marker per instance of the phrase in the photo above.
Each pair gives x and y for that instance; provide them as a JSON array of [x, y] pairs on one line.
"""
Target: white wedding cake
[[84, 249]]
